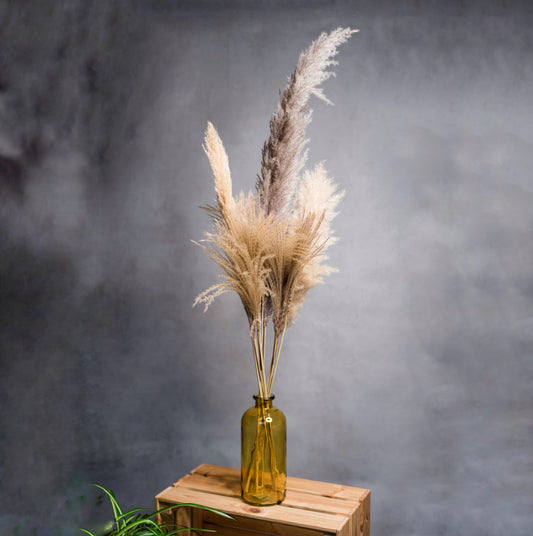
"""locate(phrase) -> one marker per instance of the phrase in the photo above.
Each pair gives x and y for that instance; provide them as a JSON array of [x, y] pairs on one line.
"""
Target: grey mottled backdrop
[[410, 372]]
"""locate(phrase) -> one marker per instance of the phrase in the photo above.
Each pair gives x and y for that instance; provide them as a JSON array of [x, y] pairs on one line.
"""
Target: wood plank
[[345, 530], [365, 515], [265, 525], [183, 518], [215, 485], [353, 522], [231, 531], [197, 518], [324, 489], [279, 513], [217, 471], [161, 496], [166, 518], [294, 499], [281, 530]]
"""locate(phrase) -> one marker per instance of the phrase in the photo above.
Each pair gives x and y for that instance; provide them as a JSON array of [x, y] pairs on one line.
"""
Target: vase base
[[262, 501]]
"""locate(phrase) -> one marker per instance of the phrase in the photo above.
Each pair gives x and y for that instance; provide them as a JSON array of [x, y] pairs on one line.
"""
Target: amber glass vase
[[263, 453]]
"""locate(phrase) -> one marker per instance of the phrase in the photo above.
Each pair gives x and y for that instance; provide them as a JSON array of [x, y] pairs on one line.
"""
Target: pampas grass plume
[[271, 247]]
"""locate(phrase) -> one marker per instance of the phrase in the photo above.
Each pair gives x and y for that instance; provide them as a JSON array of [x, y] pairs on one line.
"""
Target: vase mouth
[[266, 399]]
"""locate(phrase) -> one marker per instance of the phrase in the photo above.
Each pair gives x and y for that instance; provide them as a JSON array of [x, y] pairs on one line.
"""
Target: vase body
[[263, 453]]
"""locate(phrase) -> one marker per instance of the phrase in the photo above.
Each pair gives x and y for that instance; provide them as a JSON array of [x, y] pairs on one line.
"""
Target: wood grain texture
[[310, 508]]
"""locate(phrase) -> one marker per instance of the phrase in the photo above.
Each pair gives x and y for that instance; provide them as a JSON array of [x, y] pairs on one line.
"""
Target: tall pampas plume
[[218, 159], [283, 155], [271, 247]]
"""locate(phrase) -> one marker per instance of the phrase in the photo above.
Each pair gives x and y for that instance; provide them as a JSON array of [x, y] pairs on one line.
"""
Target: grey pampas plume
[[283, 155]]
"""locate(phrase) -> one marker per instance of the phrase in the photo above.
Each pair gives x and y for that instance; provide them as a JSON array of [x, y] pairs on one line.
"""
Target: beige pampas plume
[[318, 194], [283, 155], [218, 159], [239, 246], [317, 197]]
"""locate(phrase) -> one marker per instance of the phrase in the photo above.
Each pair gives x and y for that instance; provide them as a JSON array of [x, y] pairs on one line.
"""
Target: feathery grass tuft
[[283, 155], [220, 166], [271, 247]]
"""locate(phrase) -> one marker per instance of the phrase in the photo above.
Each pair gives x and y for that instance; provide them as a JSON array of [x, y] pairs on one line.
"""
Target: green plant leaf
[[150, 531], [131, 512], [139, 522], [135, 523], [88, 532], [117, 511]]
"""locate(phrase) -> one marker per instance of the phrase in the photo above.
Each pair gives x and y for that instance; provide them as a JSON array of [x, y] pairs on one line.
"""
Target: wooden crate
[[309, 508]]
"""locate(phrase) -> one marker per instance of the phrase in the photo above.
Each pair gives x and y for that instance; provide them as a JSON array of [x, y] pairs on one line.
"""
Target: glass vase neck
[[265, 402]]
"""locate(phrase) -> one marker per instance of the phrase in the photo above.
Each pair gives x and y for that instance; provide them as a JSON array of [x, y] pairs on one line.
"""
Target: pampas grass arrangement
[[271, 246]]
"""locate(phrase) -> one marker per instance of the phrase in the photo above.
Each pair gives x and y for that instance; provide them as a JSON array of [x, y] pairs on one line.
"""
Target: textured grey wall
[[410, 372]]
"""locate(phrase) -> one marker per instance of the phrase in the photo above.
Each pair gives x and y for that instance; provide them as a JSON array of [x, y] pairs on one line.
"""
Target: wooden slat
[[166, 518], [294, 499], [345, 531], [279, 513], [263, 525], [227, 473], [365, 515], [231, 531], [212, 485], [197, 519], [160, 497], [324, 489], [353, 521], [280, 530], [183, 518]]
